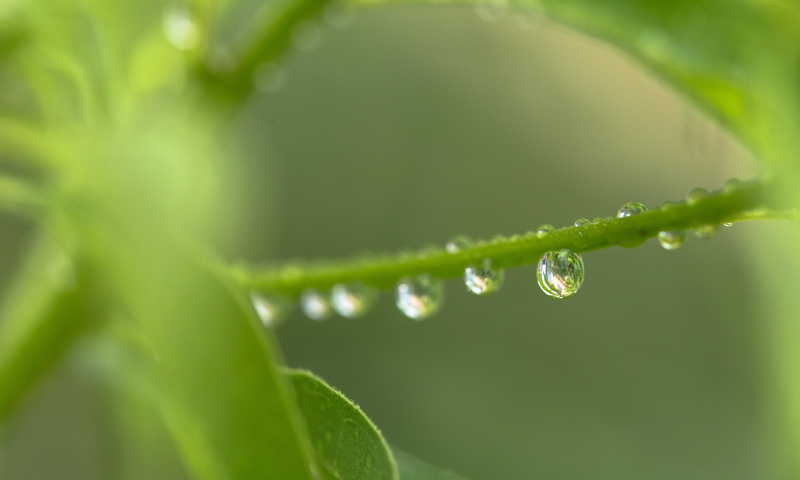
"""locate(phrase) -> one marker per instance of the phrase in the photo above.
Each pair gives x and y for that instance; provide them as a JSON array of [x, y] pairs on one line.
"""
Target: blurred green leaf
[[48, 307], [347, 443]]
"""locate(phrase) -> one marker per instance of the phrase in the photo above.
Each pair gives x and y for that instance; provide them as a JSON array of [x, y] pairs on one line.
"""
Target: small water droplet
[[270, 309], [580, 239], [706, 231], [543, 230], [696, 195], [671, 239], [530, 234], [458, 243], [352, 300], [499, 239], [419, 297], [732, 185], [608, 219], [728, 224], [597, 220], [268, 77], [483, 280], [630, 209], [180, 28], [491, 10], [315, 305], [668, 205], [581, 222], [306, 35], [337, 14], [560, 273]]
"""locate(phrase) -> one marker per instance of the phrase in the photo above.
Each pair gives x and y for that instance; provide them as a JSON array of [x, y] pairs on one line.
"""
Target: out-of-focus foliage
[[121, 137]]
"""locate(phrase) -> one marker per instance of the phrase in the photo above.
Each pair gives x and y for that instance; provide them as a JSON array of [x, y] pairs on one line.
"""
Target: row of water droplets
[[560, 273]]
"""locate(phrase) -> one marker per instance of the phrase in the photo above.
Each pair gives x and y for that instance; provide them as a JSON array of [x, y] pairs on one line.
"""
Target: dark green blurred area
[[416, 124]]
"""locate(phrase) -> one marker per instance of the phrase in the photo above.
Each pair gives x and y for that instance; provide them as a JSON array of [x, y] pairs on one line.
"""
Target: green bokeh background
[[415, 124]]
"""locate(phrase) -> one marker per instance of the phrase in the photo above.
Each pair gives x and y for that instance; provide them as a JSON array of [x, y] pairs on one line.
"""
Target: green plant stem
[[272, 41], [730, 205]]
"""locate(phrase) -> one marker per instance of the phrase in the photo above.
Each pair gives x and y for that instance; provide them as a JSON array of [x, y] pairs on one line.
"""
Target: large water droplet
[[696, 195], [582, 222], [630, 209], [671, 239], [543, 230], [268, 77], [560, 273], [270, 309], [352, 300], [419, 297], [315, 305], [458, 243], [180, 28], [306, 35], [706, 231], [483, 280]]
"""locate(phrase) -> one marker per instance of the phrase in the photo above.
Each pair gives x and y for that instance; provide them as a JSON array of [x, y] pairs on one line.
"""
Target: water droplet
[[597, 220], [315, 305], [581, 222], [706, 231], [337, 14], [608, 219], [560, 273], [490, 10], [484, 280], [543, 230], [671, 239], [458, 243], [580, 239], [530, 234], [630, 209], [419, 297], [306, 35], [179, 27], [696, 195], [732, 185], [270, 309], [268, 77], [352, 300], [728, 224]]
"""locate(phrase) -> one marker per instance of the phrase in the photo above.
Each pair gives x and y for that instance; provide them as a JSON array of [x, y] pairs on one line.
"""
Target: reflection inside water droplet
[[543, 230], [352, 300], [484, 280], [560, 273], [630, 209], [582, 222], [270, 309], [671, 239], [458, 243], [315, 305], [706, 231], [419, 297]]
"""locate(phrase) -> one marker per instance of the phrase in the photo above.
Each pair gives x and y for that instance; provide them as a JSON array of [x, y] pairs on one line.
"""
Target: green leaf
[[347, 443], [48, 307]]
